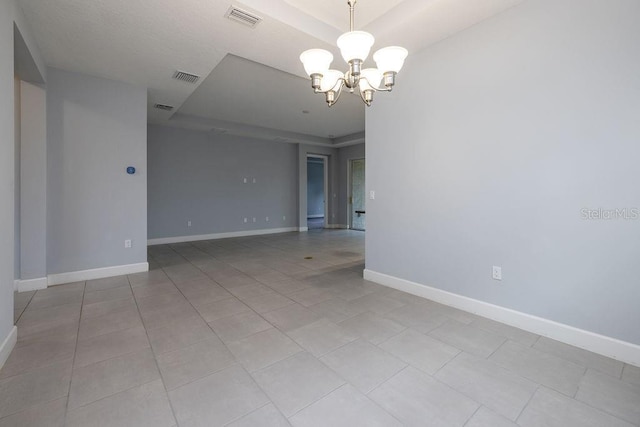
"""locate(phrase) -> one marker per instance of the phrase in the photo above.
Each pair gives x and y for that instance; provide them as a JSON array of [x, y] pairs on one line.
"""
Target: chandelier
[[354, 47]]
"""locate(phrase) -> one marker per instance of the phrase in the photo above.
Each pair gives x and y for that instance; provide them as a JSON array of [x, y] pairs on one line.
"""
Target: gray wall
[[199, 177], [9, 14], [33, 182], [345, 155], [16, 179], [315, 188], [95, 129], [30, 159], [7, 163], [490, 146]]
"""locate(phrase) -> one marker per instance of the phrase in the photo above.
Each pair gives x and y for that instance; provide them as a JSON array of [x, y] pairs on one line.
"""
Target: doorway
[[317, 188], [357, 212]]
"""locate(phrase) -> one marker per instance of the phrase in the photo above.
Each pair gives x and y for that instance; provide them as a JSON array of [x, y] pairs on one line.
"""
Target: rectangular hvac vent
[[163, 107], [186, 77], [242, 16]]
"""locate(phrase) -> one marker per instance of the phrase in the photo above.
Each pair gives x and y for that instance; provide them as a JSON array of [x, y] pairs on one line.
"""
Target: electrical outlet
[[244, 180], [284, 218], [127, 243], [254, 180], [245, 220], [372, 195], [267, 219], [497, 273], [188, 223], [254, 220]]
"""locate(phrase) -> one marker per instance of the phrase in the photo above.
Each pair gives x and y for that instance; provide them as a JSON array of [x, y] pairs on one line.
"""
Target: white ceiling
[[261, 83], [335, 13], [266, 97]]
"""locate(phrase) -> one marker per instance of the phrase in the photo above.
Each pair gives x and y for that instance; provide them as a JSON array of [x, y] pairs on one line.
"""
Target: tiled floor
[[247, 332]]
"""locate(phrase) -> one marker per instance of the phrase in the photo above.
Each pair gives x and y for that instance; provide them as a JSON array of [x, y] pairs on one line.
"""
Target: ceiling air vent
[[186, 77], [163, 107], [242, 16]]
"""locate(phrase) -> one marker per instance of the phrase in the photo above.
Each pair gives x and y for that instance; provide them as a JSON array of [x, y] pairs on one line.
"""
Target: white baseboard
[[214, 236], [301, 229], [7, 345], [96, 273], [26, 285], [606, 346]]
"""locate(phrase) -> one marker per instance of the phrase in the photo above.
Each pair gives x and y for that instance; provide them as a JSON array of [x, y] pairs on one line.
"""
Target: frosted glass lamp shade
[[355, 45], [316, 61], [370, 78], [330, 80], [390, 58]]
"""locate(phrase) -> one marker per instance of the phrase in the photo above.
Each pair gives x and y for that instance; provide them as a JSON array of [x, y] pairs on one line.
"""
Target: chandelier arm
[[377, 89], [329, 90], [339, 92], [361, 92]]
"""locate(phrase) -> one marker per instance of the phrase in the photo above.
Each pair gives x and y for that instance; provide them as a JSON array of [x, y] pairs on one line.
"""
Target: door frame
[[350, 188], [325, 172]]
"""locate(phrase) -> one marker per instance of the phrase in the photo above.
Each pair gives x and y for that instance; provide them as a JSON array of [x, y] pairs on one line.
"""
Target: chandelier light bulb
[[330, 80], [355, 45], [390, 59], [370, 79], [316, 61]]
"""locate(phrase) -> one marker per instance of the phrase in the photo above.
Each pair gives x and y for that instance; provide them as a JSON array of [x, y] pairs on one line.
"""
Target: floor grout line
[[472, 415], [155, 358], [75, 352]]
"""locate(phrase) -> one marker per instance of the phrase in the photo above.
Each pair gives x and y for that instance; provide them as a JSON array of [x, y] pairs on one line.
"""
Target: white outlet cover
[[267, 219], [245, 220], [497, 272], [372, 195]]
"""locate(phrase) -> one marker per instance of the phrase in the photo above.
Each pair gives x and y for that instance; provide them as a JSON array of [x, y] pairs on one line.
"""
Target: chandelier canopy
[[354, 47]]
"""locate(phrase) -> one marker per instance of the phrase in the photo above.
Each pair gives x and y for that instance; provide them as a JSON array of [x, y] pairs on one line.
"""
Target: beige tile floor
[[246, 332]]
